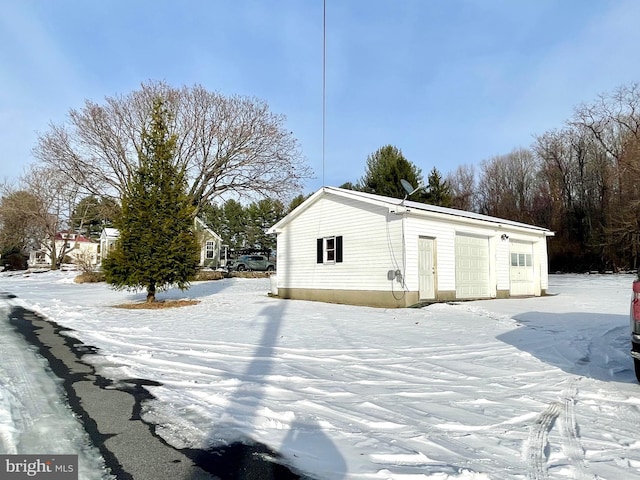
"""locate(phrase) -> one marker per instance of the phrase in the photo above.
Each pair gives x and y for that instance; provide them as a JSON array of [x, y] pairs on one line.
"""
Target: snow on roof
[[111, 232], [408, 204], [75, 237], [114, 233]]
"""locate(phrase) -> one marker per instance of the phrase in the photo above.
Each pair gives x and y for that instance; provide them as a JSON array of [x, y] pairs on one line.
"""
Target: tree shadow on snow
[[247, 459], [592, 345], [196, 290]]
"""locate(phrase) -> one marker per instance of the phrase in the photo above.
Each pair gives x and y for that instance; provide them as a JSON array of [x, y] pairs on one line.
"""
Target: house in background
[[73, 247], [210, 243], [357, 248], [108, 238]]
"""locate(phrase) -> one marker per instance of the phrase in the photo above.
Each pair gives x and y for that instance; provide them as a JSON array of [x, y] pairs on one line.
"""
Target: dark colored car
[[251, 262]]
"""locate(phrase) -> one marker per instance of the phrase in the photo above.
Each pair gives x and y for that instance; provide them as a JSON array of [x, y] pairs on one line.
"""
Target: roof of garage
[[399, 204]]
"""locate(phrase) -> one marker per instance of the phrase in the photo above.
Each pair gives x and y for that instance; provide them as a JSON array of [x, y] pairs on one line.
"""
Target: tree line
[[581, 180]]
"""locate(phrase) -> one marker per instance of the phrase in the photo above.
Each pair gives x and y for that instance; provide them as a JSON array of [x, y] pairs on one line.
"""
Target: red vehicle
[[635, 327]]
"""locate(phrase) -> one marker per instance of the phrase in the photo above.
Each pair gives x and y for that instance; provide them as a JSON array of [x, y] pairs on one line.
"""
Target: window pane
[[521, 259], [529, 263], [210, 249], [330, 249], [514, 259]]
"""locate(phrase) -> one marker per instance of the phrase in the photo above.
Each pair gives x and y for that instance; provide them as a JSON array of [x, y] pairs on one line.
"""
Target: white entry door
[[521, 270], [426, 268]]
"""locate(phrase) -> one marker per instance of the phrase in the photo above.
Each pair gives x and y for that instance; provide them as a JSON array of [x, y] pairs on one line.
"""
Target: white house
[[72, 247], [210, 243], [108, 238], [352, 247]]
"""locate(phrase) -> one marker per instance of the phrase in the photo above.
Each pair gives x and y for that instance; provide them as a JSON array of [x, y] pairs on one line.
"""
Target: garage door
[[521, 268], [472, 266]]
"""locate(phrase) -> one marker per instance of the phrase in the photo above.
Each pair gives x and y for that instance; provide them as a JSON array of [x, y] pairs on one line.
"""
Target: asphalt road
[[110, 414]]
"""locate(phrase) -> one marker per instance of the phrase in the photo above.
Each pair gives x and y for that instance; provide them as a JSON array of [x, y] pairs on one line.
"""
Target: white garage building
[[352, 247]]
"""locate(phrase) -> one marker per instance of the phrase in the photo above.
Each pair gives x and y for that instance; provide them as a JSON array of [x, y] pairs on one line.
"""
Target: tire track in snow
[[21, 396], [537, 452], [571, 445], [538, 447]]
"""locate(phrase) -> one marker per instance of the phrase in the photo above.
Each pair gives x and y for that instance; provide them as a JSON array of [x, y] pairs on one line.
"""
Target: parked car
[[251, 262], [635, 327]]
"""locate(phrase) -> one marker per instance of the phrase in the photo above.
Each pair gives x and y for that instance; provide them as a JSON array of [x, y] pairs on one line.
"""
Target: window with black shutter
[[329, 250]]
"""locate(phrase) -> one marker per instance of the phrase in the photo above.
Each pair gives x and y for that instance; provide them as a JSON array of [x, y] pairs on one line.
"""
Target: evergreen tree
[[349, 186], [262, 215], [234, 229], [213, 216], [245, 226], [385, 168], [92, 214], [157, 246], [297, 201], [438, 190]]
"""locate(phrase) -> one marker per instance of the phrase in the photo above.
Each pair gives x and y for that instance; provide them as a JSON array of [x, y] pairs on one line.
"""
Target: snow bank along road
[[33, 415], [531, 388]]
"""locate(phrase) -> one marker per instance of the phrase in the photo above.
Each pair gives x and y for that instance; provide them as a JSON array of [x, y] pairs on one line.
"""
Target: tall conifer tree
[[157, 247], [438, 190], [385, 168]]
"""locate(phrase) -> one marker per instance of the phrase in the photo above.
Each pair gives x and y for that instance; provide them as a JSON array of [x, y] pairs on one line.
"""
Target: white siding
[[372, 245], [381, 236], [445, 256], [445, 230], [502, 262]]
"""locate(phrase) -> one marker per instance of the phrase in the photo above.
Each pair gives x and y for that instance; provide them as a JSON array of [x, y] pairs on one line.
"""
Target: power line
[[324, 81]]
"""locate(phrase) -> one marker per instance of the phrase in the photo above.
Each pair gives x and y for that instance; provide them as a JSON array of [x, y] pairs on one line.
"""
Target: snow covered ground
[[530, 388]]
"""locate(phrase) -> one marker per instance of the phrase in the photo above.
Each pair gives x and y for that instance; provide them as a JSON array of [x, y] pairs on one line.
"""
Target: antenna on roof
[[324, 82], [408, 188]]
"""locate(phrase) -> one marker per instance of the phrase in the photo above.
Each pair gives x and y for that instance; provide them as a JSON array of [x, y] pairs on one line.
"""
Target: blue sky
[[449, 82]]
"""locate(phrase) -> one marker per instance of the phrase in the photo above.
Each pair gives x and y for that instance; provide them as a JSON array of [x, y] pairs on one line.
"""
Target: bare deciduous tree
[[225, 144], [19, 211], [462, 183], [508, 184], [612, 124], [56, 199], [610, 115]]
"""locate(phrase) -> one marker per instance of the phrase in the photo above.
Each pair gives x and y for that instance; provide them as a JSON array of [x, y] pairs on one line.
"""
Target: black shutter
[[339, 249], [319, 251]]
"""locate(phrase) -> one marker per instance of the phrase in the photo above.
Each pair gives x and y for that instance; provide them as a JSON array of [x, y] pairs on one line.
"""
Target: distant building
[[70, 248], [108, 238], [210, 243]]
